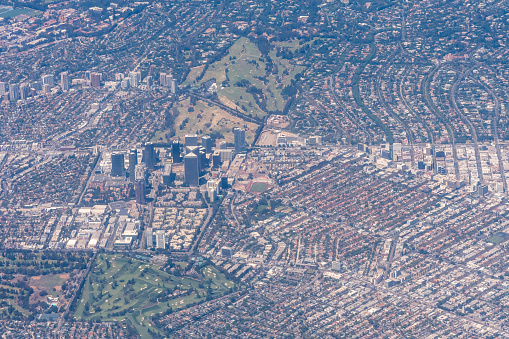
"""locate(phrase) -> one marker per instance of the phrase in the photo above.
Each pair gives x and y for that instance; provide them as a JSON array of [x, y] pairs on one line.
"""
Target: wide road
[[467, 121]]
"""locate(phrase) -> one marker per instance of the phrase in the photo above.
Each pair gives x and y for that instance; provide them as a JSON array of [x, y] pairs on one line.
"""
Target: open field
[[258, 187], [245, 62], [120, 288], [207, 119], [193, 74], [31, 283], [6, 12]]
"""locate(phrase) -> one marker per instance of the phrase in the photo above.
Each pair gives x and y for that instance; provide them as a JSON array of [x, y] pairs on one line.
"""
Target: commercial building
[[206, 142], [139, 190], [48, 79], [64, 81], [133, 161], [150, 238], [175, 151], [117, 165], [149, 157], [240, 140], [13, 92], [191, 170], [191, 140], [160, 239]]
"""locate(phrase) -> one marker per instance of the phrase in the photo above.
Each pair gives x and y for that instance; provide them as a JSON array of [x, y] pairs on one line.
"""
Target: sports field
[[258, 187]]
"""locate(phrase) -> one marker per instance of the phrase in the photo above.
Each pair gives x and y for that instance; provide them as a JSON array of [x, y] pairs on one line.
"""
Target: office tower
[[226, 251], [149, 157], [223, 145], [162, 79], [482, 190], [117, 165], [134, 79], [124, 84], [216, 159], [139, 191], [173, 85], [46, 89], [150, 238], [140, 171], [167, 175], [13, 92], [226, 155], [195, 150], [3, 88], [148, 80], [48, 79], [160, 239], [240, 140], [175, 151], [224, 183], [37, 85], [202, 158], [64, 81], [95, 80], [421, 165], [191, 170], [191, 140], [133, 161], [24, 90], [206, 142]]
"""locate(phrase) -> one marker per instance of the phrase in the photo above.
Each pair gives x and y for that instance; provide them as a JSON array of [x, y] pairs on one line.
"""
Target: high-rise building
[[149, 80], [117, 165], [191, 140], [13, 92], [173, 86], [133, 161], [206, 142], [46, 89], [224, 183], [150, 238], [149, 157], [162, 79], [24, 91], [134, 79], [3, 88], [216, 159], [223, 145], [37, 85], [64, 81], [139, 191], [167, 175], [191, 169], [160, 239], [48, 79], [175, 151], [226, 155], [95, 80], [240, 140], [124, 84], [139, 172], [482, 190]]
